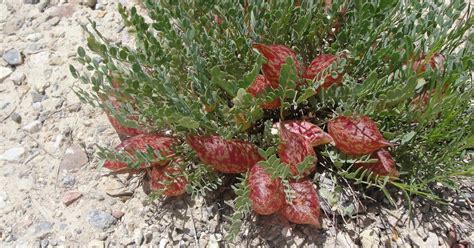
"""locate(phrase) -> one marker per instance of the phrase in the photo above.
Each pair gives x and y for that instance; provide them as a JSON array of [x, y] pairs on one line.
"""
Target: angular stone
[[100, 219], [70, 197], [138, 237], [214, 240], [44, 243], [74, 158], [13, 154], [39, 76], [163, 243], [32, 127], [69, 181], [13, 57], [148, 237], [54, 21], [37, 106], [37, 97], [117, 214]]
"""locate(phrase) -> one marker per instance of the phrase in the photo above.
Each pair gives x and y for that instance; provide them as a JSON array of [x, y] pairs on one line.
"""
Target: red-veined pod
[[304, 206], [356, 136], [266, 194], [140, 143], [226, 156]]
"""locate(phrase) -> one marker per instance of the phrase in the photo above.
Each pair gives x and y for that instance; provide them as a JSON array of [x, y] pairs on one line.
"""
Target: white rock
[[34, 37], [138, 237], [37, 106], [214, 241], [18, 77], [286, 232], [32, 127], [13, 154], [4, 73], [38, 76], [369, 238], [58, 142], [163, 243]]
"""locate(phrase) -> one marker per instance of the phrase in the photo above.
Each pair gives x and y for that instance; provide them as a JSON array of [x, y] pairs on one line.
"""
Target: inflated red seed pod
[[304, 207], [267, 195], [319, 66], [293, 149], [421, 101], [139, 143], [385, 166], [276, 56], [168, 180], [436, 62], [314, 134], [356, 136], [124, 132], [259, 86], [226, 156]]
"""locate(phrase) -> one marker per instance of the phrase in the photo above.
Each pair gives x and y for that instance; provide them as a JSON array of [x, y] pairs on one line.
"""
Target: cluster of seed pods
[[276, 55], [354, 136]]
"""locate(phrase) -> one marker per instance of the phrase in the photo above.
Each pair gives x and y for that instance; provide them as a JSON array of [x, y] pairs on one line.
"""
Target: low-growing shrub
[[377, 92]]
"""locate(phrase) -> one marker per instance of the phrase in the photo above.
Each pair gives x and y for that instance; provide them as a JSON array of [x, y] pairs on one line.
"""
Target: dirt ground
[[53, 195]]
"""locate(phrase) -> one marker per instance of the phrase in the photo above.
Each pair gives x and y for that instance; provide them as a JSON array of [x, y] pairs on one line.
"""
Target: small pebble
[[31, 1], [37, 106], [13, 154], [100, 219], [32, 127], [138, 237], [70, 197], [44, 243], [16, 117], [117, 214], [13, 57], [69, 181], [37, 97]]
